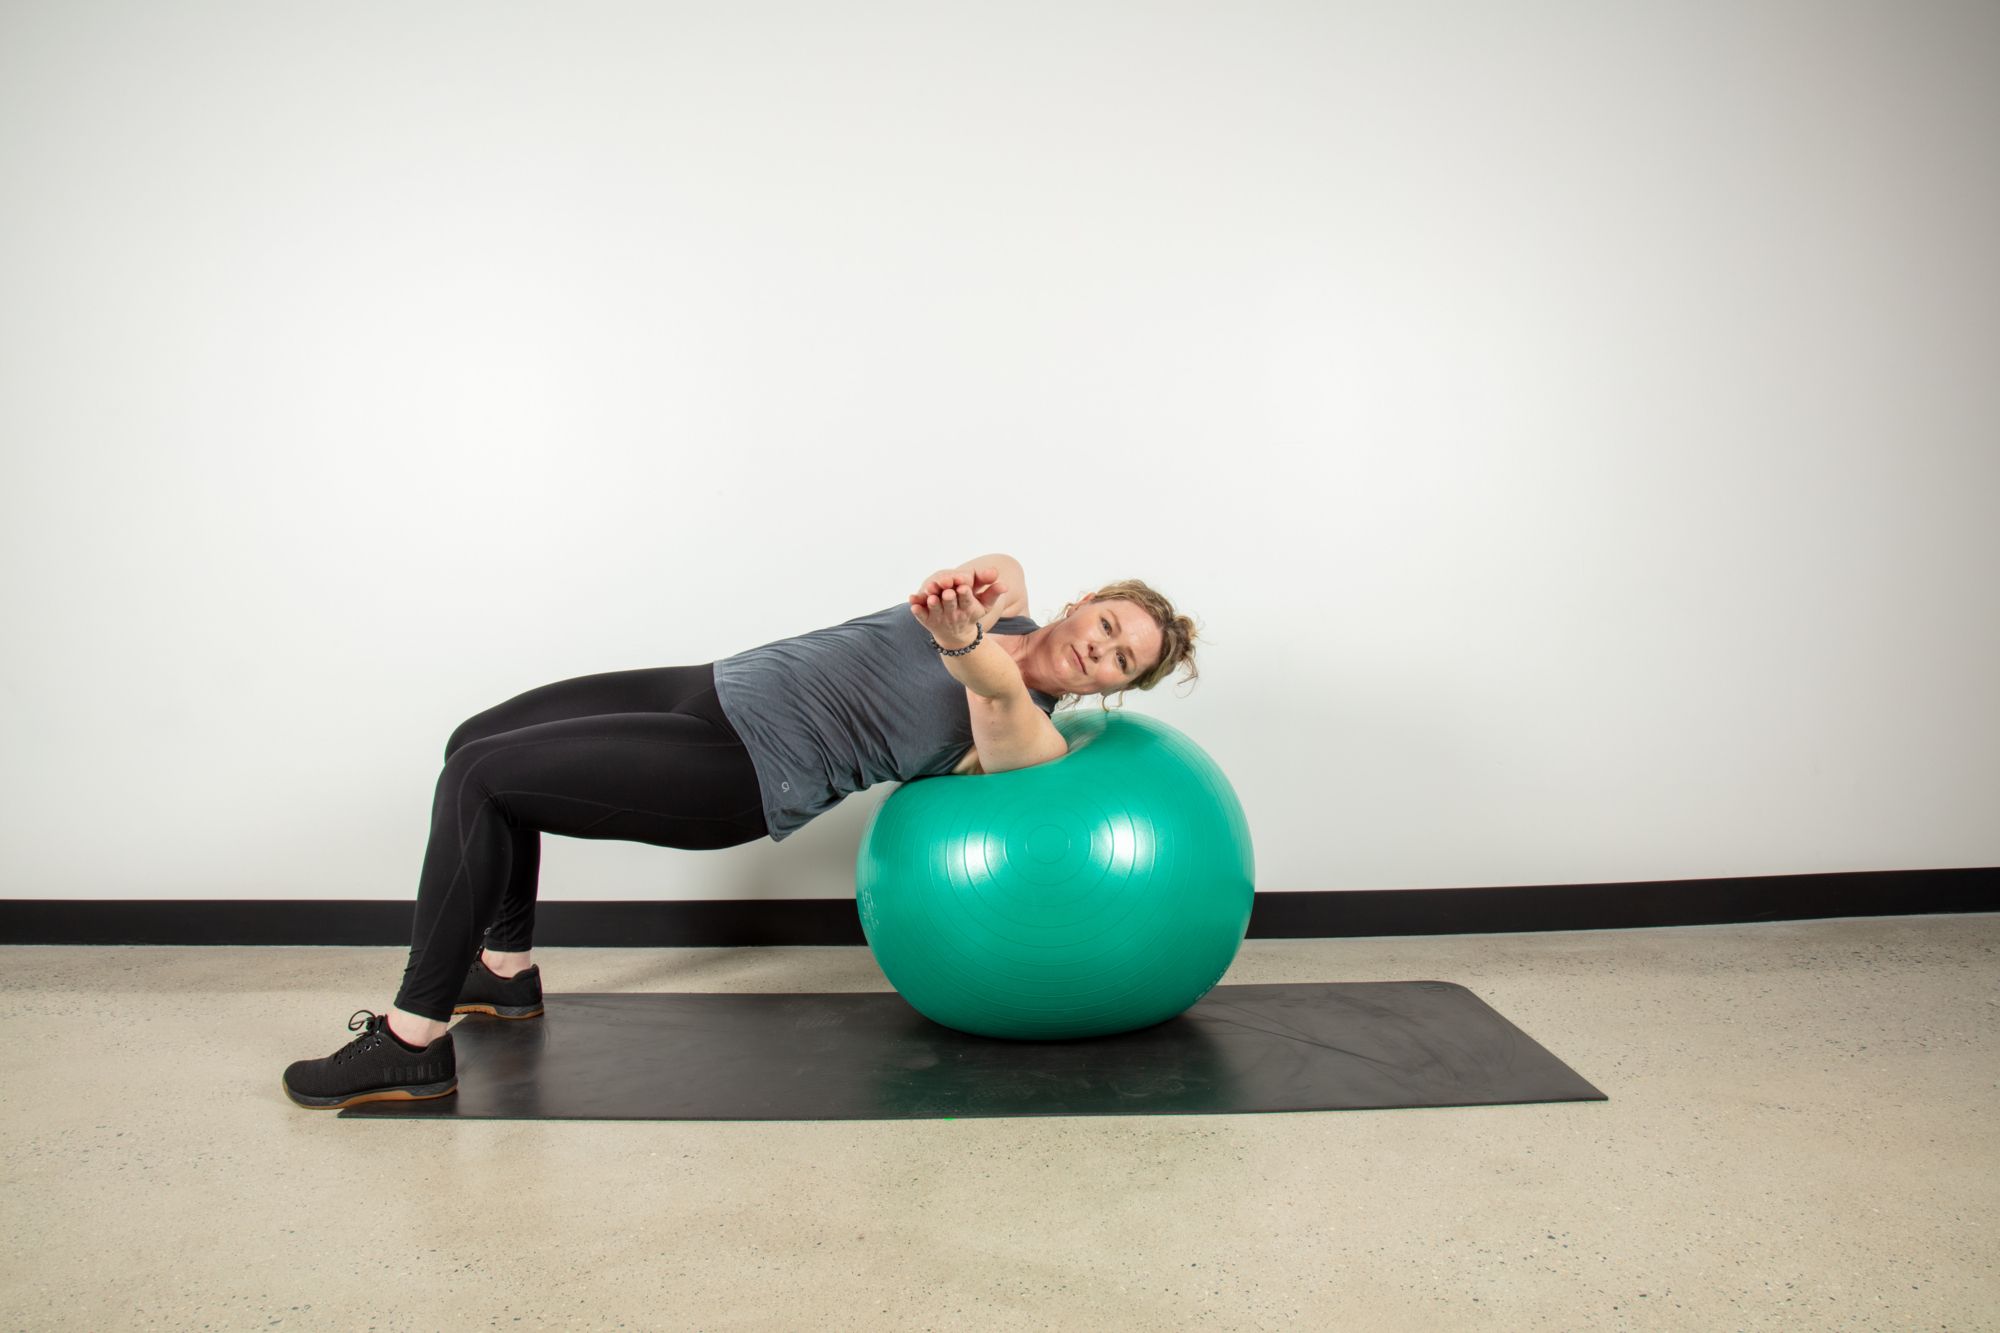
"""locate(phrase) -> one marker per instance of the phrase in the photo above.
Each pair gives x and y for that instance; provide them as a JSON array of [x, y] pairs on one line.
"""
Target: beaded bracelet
[[960, 652]]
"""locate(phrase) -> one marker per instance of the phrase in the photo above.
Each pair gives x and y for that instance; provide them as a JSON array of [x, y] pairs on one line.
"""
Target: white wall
[[1573, 424]]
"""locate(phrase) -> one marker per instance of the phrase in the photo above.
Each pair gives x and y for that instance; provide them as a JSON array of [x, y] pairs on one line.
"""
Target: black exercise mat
[[1310, 1046]]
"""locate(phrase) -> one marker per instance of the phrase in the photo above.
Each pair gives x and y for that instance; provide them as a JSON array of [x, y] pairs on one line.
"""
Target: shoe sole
[[499, 1010], [418, 1093]]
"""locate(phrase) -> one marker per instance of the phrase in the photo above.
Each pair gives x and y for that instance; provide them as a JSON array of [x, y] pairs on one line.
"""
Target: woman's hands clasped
[[950, 604]]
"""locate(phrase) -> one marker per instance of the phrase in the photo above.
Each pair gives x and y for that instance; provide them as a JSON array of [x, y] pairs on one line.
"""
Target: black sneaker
[[484, 992], [374, 1067]]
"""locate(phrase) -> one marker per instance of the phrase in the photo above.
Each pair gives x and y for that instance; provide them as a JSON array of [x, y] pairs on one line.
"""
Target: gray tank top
[[836, 711]]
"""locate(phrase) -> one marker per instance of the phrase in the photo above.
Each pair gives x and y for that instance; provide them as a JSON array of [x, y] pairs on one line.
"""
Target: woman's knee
[[467, 732]]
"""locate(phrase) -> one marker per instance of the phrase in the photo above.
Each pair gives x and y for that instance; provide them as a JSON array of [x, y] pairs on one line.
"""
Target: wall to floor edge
[[823, 921]]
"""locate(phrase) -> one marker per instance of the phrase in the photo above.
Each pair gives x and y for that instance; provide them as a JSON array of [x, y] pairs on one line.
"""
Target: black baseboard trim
[[738, 923]]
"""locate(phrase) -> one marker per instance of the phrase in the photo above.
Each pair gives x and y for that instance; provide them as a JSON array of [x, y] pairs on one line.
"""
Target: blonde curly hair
[[1177, 636]]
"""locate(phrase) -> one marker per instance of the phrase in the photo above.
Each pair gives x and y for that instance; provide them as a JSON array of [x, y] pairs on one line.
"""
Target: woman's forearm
[[986, 670]]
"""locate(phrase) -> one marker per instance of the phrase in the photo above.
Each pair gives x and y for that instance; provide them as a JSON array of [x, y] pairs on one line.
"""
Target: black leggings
[[641, 756]]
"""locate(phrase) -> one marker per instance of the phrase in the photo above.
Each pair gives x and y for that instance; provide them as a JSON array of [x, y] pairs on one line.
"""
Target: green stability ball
[[1102, 892]]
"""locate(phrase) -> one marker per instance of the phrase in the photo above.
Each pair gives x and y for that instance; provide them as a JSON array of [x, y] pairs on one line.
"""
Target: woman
[[751, 746]]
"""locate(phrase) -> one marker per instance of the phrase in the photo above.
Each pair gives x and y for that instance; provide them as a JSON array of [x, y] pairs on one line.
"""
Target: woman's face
[[1102, 647]]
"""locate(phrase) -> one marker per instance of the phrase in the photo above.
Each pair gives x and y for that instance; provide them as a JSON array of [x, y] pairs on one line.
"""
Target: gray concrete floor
[[1801, 1135]]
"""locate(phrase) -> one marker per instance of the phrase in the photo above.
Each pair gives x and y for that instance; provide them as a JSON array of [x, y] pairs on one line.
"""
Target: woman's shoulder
[[1013, 605]]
